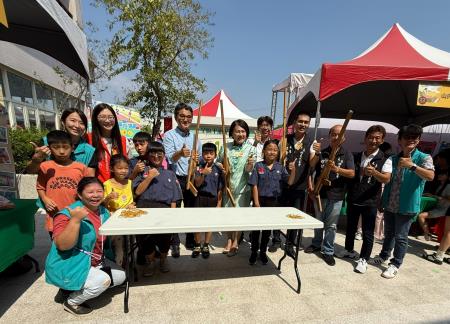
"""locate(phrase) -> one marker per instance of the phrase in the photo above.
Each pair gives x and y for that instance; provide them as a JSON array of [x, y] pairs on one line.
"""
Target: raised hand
[[113, 195], [291, 165], [40, 152], [139, 167], [257, 137], [317, 146], [207, 170], [153, 173], [185, 152], [77, 213]]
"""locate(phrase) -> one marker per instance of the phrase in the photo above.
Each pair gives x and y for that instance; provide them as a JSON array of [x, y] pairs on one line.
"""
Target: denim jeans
[[396, 229], [331, 210], [96, 283]]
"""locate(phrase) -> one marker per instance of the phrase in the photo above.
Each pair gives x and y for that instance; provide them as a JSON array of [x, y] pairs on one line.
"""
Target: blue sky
[[258, 43]]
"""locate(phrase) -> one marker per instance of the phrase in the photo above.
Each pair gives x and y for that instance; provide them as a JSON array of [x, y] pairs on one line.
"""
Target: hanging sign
[[434, 95]]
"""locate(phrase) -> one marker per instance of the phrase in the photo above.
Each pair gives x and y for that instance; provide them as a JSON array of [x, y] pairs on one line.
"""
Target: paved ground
[[225, 290]]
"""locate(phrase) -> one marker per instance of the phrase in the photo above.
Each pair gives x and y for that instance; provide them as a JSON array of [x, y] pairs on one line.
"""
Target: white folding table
[[192, 220]]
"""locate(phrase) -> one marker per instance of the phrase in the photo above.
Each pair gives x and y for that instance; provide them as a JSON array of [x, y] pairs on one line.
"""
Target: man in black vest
[[304, 150], [364, 191]]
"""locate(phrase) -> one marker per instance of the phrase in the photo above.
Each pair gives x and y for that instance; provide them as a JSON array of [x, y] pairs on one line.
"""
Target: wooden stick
[[283, 144], [226, 164], [325, 174], [192, 163]]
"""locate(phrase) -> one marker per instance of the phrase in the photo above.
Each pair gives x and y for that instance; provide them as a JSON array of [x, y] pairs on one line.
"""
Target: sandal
[[233, 252], [225, 250], [432, 258], [447, 260]]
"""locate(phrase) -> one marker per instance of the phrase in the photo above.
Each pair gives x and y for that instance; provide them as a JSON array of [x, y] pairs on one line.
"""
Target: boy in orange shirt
[[58, 178]]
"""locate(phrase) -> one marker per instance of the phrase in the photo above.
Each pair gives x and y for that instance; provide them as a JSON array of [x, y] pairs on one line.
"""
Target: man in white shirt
[[372, 168]]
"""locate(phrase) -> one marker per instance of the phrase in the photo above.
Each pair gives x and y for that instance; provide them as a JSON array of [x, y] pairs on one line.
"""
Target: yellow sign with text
[[434, 95], [3, 19]]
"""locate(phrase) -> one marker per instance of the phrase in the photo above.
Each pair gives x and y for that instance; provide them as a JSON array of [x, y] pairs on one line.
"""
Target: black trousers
[[148, 243], [188, 201], [265, 235], [291, 198], [368, 217]]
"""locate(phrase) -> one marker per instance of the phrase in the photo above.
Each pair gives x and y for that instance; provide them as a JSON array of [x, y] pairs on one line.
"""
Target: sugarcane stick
[[325, 174], [226, 163], [192, 161]]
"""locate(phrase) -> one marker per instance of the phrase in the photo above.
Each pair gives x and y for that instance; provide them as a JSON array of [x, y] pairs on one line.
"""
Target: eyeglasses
[[106, 118], [157, 154]]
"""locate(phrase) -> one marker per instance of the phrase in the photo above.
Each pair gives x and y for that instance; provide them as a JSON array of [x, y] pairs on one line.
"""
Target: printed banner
[[129, 120], [434, 95]]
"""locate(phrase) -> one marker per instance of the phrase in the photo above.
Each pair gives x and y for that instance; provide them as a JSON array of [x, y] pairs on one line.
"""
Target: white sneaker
[[358, 236], [390, 272], [347, 254], [361, 266], [377, 260]]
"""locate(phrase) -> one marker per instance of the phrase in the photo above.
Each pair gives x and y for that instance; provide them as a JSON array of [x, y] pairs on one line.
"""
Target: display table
[[16, 231], [192, 220]]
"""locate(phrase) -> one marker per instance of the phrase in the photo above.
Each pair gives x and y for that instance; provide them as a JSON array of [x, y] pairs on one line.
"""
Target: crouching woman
[[76, 262]]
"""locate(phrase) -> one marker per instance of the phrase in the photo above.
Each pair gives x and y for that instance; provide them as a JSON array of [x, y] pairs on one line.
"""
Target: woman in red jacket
[[106, 139]]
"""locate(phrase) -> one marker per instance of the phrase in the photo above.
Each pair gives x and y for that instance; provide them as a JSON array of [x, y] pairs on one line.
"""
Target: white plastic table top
[[191, 220]]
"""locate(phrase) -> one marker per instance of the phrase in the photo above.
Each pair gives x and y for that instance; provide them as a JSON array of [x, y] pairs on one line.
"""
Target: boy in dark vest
[[364, 190]]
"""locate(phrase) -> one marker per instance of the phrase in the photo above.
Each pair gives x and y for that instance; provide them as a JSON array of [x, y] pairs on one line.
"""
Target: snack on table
[[295, 216], [131, 213]]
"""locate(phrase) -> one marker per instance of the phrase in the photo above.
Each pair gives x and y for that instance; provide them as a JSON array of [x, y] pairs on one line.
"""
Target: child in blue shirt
[[209, 182], [266, 180]]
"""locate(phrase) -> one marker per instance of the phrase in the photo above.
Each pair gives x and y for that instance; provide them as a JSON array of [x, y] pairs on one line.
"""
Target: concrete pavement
[[226, 290]]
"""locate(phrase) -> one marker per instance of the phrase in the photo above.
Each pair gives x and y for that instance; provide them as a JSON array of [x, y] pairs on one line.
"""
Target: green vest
[[69, 269], [411, 186]]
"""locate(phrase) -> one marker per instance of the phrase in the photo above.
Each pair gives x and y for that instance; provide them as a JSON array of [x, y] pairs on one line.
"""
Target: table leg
[[127, 272], [285, 253], [297, 248]]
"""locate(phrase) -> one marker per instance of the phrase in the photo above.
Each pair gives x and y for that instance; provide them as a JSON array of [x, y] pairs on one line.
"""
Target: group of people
[[83, 177]]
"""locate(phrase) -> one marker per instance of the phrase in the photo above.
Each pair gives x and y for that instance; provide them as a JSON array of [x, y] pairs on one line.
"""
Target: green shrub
[[21, 147]]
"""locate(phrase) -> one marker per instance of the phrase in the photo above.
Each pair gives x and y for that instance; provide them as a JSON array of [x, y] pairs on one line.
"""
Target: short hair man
[[342, 169], [402, 196], [371, 170]]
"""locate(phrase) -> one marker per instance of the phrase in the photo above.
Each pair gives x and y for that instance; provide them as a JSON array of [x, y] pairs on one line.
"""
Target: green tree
[[158, 40]]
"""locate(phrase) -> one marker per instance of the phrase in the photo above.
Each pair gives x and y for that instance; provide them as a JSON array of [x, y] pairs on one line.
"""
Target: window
[[20, 89], [18, 110], [47, 120], [3, 109], [44, 97], [32, 117]]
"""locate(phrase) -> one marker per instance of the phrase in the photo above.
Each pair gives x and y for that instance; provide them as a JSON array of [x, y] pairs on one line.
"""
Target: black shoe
[[312, 249], [205, 251], [79, 310], [329, 259], [189, 245], [263, 258], [175, 251], [252, 259], [274, 247], [61, 296], [196, 251], [290, 250]]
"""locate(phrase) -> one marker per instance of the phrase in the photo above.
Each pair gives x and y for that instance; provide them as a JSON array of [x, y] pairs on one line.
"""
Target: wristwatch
[[413, 167]]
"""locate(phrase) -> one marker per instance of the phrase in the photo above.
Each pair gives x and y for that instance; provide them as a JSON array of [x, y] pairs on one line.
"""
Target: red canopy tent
[[381, 84]]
